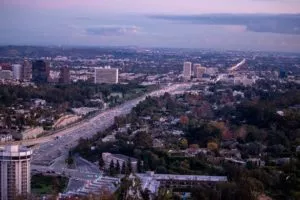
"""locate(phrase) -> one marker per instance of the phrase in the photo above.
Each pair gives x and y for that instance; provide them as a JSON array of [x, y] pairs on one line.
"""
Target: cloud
[[283, 23], [112, 30]]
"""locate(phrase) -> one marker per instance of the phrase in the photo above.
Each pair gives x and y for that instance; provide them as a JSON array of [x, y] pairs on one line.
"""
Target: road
[[58, 144]]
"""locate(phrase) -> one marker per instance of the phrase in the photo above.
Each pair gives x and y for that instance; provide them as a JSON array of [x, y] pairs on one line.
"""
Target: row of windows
[[15, 157]]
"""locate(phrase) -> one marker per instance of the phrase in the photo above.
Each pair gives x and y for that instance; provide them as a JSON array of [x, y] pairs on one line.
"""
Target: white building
[[15, 171], [5, 137], [244, 80], [17, 71], [187, 70], [108, 157], [106, 75]]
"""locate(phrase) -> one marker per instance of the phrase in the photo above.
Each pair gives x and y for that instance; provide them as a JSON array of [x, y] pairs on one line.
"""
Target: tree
[[118, 168], [70, 159], [129, 166], [112, 168], [164, 194], [139, 166], [184, 120], [143, 139], [212, 146], [183, 144], [101, 163], [123, 168]]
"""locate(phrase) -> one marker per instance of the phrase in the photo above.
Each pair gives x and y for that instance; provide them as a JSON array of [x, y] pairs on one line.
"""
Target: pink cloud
[[163, 6]]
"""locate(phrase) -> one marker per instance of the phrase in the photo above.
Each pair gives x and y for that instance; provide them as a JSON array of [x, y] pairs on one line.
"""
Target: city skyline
[[154, 24]]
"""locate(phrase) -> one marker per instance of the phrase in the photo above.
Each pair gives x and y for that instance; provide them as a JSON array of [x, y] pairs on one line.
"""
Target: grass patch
[[41, 184]]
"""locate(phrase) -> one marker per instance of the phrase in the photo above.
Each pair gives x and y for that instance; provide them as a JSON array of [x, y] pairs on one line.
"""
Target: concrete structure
[[153, 182], [194, 69], [17, 71], [5, 75], [108, 157], [65, 120], [64, 76], [15, 171], [27, 70], [40, 71], [106, 75], [97, 186], [199, 71], [187, 70]]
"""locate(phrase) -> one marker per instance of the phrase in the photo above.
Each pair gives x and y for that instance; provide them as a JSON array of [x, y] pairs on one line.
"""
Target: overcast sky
[[127, 22]]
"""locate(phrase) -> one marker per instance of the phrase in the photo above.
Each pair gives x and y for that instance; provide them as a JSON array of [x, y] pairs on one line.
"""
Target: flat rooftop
[[160, 177]]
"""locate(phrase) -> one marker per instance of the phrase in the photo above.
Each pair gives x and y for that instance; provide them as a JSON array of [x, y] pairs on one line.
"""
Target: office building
[[64, 76], [187, 70], [14, 171], [27, 70], [109, 157], [17, 72], [40, 71], [199, 71], [194, 69], [106, 75]]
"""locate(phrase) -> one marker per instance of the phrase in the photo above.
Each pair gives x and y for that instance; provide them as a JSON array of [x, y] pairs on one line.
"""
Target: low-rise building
[[109, 157], [6, 137], [106, 75], [152, 182], [6, 74], [256, 162]]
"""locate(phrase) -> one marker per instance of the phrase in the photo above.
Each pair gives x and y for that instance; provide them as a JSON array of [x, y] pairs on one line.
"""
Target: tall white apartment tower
[[17, 71], [14, 171], [187, 70]]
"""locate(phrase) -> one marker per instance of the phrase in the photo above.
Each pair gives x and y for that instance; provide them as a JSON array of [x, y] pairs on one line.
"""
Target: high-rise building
[[14, 171], [27, 70], [195, 66], [17, 71], [40, 71], [106, 75], [64, 76], [199, 71], [187, 70]]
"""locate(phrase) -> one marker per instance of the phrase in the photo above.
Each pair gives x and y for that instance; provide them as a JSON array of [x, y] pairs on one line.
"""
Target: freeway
[[57, 145]]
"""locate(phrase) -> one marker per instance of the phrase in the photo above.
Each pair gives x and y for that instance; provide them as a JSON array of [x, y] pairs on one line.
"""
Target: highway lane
[[54, 146]]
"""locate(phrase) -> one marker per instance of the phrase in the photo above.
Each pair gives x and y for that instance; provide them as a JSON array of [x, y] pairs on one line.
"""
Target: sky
[[265, 25]]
